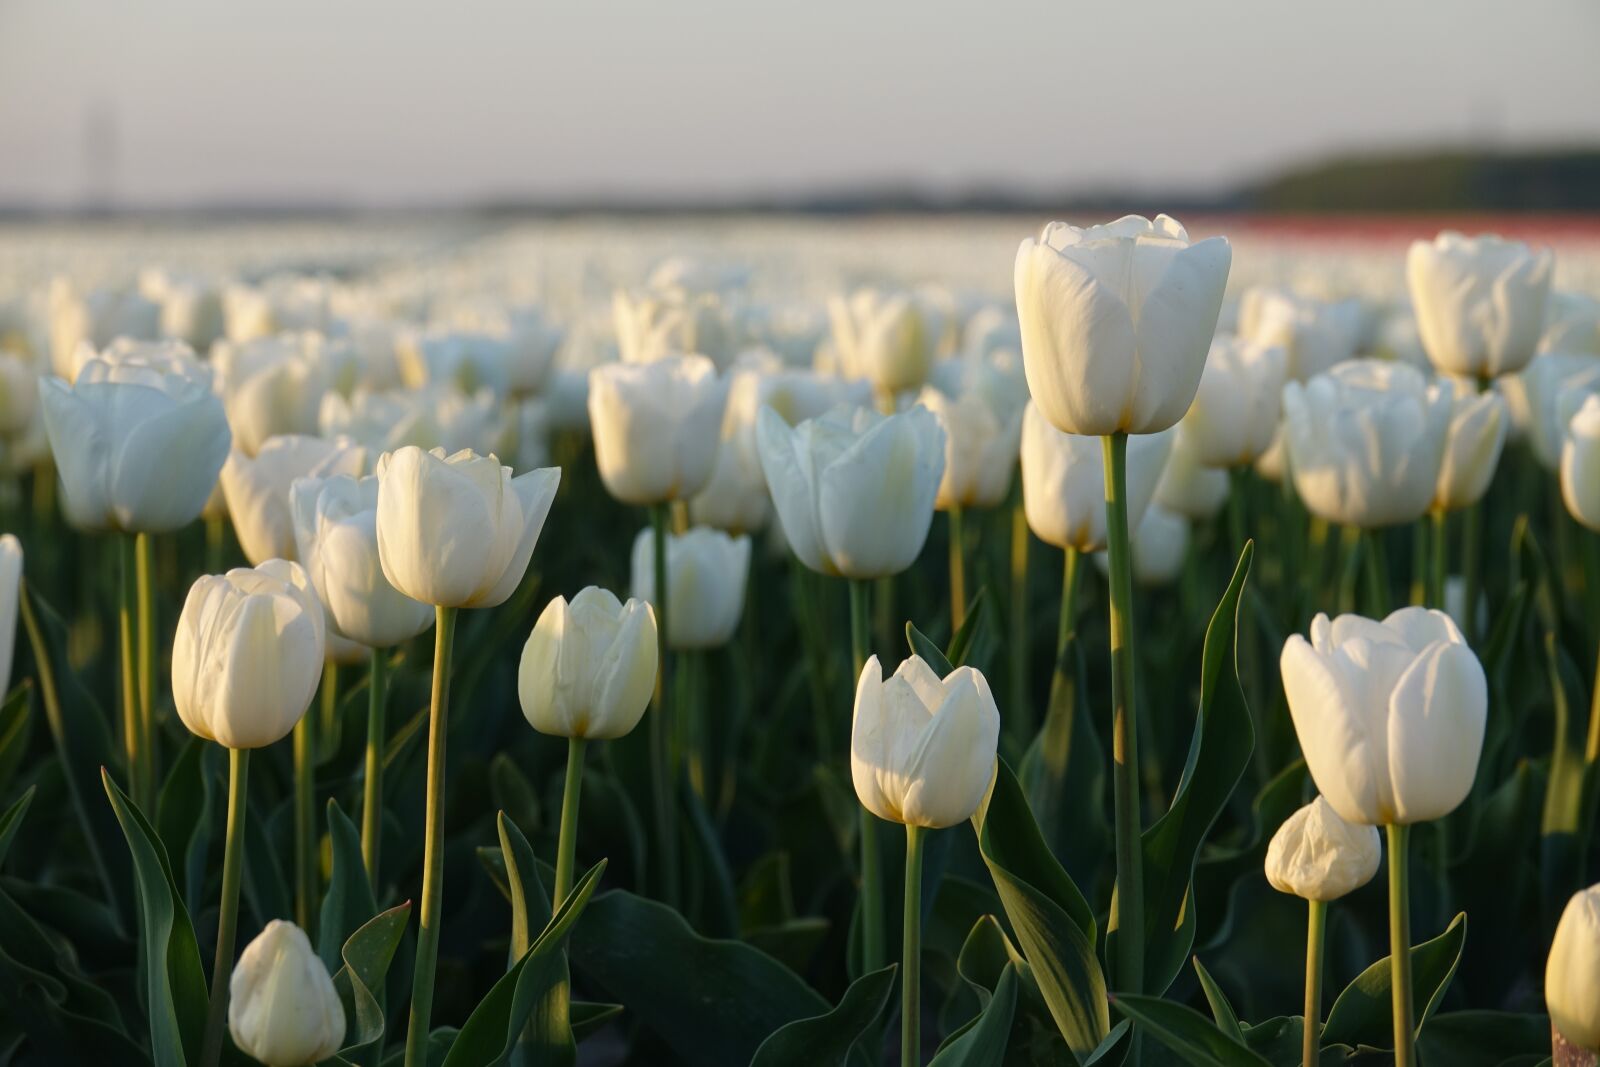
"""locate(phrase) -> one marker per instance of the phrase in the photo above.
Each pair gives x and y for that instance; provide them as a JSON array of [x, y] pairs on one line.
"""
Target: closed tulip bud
[[460, 360], [1366, 441], [10, 590], [257, 489], [1390, 714], [854, 490], [271, 386], [1580, 463], [656, 426], [706, 574], [1186, 488], [1315, 336], [922, 749], [980, 449], [589, 667], [1064, 482], [1479, 302], [282, 1006], [248, 654], [1472, 448], [336, 532], [138, 442], [659, 323], [1572, 971], [882, 338], [457, 531], [1116, 321], [1236, 410], [1545, 396], [1316, 855]]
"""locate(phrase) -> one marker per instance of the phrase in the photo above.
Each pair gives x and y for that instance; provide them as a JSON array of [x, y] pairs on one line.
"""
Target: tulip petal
[[1437, 715]]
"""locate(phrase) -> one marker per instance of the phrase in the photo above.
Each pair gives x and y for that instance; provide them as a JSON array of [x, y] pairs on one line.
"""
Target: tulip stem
[[1400, 945], [432, 844], [958, 572], [228, 912], [1471, 575], [1376, 571], [132, 731], [372, 787], [874, 950], [1021, 716], [214, 536], [147, 664], [305, 819], [1316, 935], [664, 789], [567, 843], [1068, 625], [1438, 558], [911, 953], [1128, 914]]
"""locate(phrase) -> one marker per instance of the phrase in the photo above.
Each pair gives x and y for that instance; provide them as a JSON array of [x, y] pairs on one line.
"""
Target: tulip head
[[1116, 321], [1316, 855], [706, 576], [1472, 448], [248, 654], [656, 426], [1187, 487], [1064, 480], [922, 749], [1572, 971], [1580, 463], [256, 488], [1390, 714], [282, 1007], [1315, 336], [980, 448], [882, 338], [1480, 302], [1236, 409], [589, 667]]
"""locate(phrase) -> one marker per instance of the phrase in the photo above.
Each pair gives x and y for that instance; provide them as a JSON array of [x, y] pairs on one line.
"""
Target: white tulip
[[458, 531], [854, 490], [10, 592], [1186, 487], [882, 338], [1390, 715], [663, 322], [461, 360], [97, 318], [922, 749], [248, 654], [1316, 855], [1580, 463], [1315, 336], [1479, 302], [1064, 486], [257, 489], [980, 448], [1472, 448], [1160, 546], [1572, 971], [656, 426], [589, 667], [1366, 442], [434, 417], [282, 1007], [1545, 396], [138, 441], [1571, 323], [1116, 321], [706, 576], [272, 386], [1235, 413]]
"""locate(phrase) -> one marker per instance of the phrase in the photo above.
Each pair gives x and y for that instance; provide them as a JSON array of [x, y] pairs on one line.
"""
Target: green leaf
[[349, 900], [12, 820], [1226, 1019], [1186, 1032], [825, 1040], [16, 729], [1483, 1037], [588, 1017], [183, 813], [1362, 1014], [922, 645], [175, 983], [1053, 923], [961, 640], [548, 1039], [983, 1044], [367, 954]]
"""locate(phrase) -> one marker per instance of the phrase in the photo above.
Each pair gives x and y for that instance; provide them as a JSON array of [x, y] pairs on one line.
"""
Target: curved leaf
[[984, 1043], [1361, 1015], [367, 954], [1186, 1032], [1222, 1011], [349, 900], [825, 1040], [12, 820]]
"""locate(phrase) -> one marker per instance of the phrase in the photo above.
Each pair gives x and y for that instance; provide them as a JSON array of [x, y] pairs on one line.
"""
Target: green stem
[[305, 832], [1421, 558], [567, 843], [214, 536], [1128, 915], [372, 787], [1020, 705], [1375, 569], [911, 953], [1471, 569], [1400, 945], [147, 664], [228, 912], [1068, 624], [1591, 748], [958, 572], [1438, 558], [432, 844], [132, 732], [1316, 934], [873, 944], [663, 786], [328, 713]]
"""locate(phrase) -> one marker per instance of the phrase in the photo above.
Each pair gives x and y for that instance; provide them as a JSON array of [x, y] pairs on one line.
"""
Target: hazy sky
[[399, 102]]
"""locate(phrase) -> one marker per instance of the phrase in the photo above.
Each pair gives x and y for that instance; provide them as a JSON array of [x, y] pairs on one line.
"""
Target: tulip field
[[966, 641]]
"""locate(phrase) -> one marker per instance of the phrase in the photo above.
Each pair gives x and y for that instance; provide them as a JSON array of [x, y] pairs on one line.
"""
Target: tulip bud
[[271, 386], [659, 323], [1235, 413], [1314, 336], [922, 749], [1580, 463], [1545, 396], [1316, 855], [248, 654], [589, 667], [882, 338], [1186, 487], [1572, 971], [282, 1007], [707, 572], [1390, 714], [10, 590], [461, 361], [1472, 447], [1116, 321], [1063, 481], [458, 531], [257, 489], [656, 426], [980, 448], [1479, 302]]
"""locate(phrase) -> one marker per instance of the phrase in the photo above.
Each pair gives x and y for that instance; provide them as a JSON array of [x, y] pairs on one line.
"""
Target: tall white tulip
[[282, 1007], [980, 448], [257, 488], [1480, 302], [10, 591], [1316, 855], [1236, 409], [1116, 321], [706, 576], [1472, 448], [882, 337], [248, 653], [854, 490], [1063, 482], [1390, 714], [458, 531], [1572, 971], [589, 667], [656, 426], [1366, 441]]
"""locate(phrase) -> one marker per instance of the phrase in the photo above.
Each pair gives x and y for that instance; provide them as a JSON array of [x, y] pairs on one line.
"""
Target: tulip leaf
[[1053, 923], [1362, 1014], [961, 642], [587, 1017], [922, 645], [1560, 829], [1219, 753], [11, 821], [349, 899], [184, 811], [712, 1001], [16, 729], [496, 1025], [984, 1042], [1063, 771], [825, 1040], [1190, 1035], [1226, 1019], [175, 983], [63, 1017], [366, 956], [1484, 1037], [548, 1037]]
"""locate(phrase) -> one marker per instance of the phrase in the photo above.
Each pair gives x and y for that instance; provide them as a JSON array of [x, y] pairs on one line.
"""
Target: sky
[[386, 104]]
